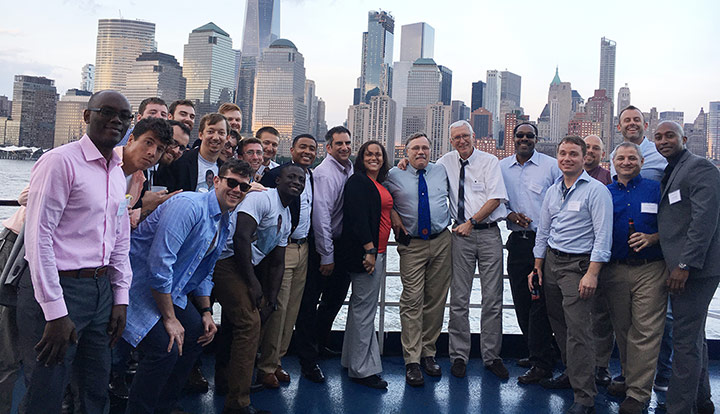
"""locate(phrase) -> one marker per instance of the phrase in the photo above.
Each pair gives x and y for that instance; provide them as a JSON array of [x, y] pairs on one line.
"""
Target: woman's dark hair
[[360, 165]]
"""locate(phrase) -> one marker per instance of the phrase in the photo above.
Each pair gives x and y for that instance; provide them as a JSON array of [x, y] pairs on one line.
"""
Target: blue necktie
[[423, 207]]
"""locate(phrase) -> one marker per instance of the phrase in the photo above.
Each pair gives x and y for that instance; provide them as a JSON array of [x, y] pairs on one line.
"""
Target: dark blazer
[[181, 174], [690, 228], [268, 180], [361, 221]]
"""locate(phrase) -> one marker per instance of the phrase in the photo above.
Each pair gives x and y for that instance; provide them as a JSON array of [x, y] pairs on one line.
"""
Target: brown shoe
[[282, 375], [458, 368], [268, 380], [413, 375]]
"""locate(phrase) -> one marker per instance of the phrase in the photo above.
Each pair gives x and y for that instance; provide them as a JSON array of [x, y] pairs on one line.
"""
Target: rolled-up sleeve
[[601, 210]]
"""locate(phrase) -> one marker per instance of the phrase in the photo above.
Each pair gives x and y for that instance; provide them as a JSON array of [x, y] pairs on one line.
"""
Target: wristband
[[208, 309]]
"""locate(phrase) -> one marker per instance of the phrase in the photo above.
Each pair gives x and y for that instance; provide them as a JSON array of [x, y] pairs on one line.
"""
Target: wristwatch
[[683, 266], [473, 222], [371, 251], [208, 309]]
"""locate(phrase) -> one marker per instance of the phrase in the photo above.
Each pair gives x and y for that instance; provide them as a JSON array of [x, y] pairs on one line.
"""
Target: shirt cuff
[[600, 256], [55, 309], [327, 259], [120, 296]]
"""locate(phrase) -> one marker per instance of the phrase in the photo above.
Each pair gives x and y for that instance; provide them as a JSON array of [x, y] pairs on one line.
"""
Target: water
[[16, 175]]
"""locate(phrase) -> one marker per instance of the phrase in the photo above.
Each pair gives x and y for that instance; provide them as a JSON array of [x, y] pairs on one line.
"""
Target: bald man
[[595, 154]]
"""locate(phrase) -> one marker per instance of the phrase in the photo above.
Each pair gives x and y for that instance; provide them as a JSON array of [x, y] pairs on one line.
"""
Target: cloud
[[9, 32]]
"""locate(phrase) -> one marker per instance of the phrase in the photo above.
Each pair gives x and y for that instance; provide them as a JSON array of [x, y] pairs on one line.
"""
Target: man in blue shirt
[[632, 283], [572, 242], [632, 126], [420, 219], [173, 254], [528, 174]]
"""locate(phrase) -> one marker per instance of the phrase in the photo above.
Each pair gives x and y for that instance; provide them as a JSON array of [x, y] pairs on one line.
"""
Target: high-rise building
[[5, 106], [87, 76], [322, 127], [491, 99], [438, 120], [481, 121], [476, 100], [510, 88], [246, 91], [445, 84], [581, 126], [280, 92], [578, 103], [623, 100], [713, 130], [417, 40], [675, 116], [238, 63], [34, 105], [154, 74], [376, 66], [262, 26], [209, 65], [560, 108], [401, 70], [460, 111], [423, 89], [607, 67], [69, 123], [119, 43], [599, 108], [697, 135], [310, 100], [381, 125], [358, 123]]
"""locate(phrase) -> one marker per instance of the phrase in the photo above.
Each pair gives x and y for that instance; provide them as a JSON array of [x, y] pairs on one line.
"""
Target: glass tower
[[119, 43], [209, 64], [376, 70]]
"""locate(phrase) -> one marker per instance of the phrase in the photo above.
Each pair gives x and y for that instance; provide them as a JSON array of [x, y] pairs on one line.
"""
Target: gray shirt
[[403, 185], [327, 214]]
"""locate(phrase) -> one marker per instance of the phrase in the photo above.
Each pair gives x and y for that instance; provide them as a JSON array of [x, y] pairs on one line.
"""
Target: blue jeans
[[161, 374], [664, 364]]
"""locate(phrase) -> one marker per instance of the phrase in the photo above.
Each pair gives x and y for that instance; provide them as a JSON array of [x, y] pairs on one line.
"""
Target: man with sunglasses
[[77, 241], [173, 255], [528, 174], [249, 273]]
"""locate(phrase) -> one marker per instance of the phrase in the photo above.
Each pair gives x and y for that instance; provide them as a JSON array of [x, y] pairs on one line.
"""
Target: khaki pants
[[637, 301], [571, 320], [278, 329], [425, 270], [233, 294]]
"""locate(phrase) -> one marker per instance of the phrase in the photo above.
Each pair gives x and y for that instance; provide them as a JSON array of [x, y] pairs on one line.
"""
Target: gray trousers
[[360, 351], [690, 383], [571, 320], [484, 249], [89, 303]]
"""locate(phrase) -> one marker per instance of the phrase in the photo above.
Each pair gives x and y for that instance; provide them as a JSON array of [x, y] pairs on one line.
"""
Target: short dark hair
[[212, 119], [162, 129], [574, 140], [297, 138], [235, 134], [336, 130], [147, 101], [630, 108], [184, 128], [414, 137], [535, 128], [245, 142], [236, 166], [360, 165], [180, 102], [269, 129]]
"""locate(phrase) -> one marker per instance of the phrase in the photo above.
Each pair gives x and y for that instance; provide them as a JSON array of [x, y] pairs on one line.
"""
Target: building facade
[[87, 78], [154, 74], [377, 56], [70, 125], [119, 43], [424, 88], [560, 108], [599, 109], [713, 130], [34, 106], [607, 67], [491, 99], [623, 100], [438, 120], [209, 65]]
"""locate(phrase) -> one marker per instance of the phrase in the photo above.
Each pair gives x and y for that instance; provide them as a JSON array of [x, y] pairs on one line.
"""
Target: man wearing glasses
[[528, 174], [251, 151]]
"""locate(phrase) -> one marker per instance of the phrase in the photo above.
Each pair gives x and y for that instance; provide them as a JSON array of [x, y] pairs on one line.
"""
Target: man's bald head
[[672, 125], [670, 138], [99, 97], [595, 152]]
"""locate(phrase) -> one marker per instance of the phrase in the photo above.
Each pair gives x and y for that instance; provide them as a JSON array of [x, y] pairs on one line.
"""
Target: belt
[[480, 226], [558, 253], [636, 262], [524, 233], [431, 237], [9, 235], [94, 272], [299, 242]]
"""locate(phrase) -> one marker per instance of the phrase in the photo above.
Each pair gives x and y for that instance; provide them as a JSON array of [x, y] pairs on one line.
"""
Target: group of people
[[131, 235]]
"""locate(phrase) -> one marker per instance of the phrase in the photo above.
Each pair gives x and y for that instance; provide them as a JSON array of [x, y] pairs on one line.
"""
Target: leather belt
[[558, 253], [94, 272], [480, 226], [432, 236], [299, 242], [524, 233], [636, 262]]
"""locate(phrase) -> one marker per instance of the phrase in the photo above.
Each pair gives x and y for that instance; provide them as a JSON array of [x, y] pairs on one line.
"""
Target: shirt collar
[[675, 159], [583, 177], [533, 159], [470, 159], [347, 169], [633, 182], [213, 203], [91, 153]]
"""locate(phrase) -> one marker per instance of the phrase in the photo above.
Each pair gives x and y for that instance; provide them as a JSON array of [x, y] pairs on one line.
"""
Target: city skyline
[[673, 69]]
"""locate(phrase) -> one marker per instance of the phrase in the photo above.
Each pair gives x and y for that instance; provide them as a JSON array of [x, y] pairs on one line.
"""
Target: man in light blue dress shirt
[[573, 241]]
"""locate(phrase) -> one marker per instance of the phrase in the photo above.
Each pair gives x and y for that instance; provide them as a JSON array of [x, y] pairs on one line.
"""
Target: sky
[[667, 51]]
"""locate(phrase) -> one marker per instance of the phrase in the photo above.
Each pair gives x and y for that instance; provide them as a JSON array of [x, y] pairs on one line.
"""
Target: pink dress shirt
[[76, 218]]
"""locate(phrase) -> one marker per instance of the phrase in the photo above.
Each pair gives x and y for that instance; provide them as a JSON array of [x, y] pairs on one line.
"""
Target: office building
[[510, 88], [154, 74], [209, 65], [381, 122], [578, 103], [697, 135], [423, 89], [5, 106], [437, 127], [460, 111], [713, 130], [34, 106], [69, 123], [322, 127], [417, 40], [675, 116], [599, 108], [481, 122], [476, 99], [119, 43], [87, 76], [262, 26], [623, 100], [445, 84], [607, 67], [376, 65], [559, 108], [310, 100], [491, 99], [358, 124]]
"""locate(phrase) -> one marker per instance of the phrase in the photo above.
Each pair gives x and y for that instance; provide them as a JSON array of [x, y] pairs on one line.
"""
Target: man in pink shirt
[[77, 242]]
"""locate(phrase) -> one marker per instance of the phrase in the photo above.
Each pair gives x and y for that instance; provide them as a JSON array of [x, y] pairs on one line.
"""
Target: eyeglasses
[[176, 145], [459, 137], [522, 135], [110, 113], [232, 183], [253, 152]]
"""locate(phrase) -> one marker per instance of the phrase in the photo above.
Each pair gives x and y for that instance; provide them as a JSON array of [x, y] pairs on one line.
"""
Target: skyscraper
[[87, 76], [34, 105], [607, 66], [713, 130], [623, 98], [491, 99], [599, 108], [119, 43], [438, 118], [376, 67], [69, 123], [423, 89], [697, 135], [560, 108], [358, 123], [280, 92], [209, 65], [5, 106], [445, 84], [460, 111], [310, 102], [381, 125], [578, 103], [676, 116], [476, 100], [417, 40], [510, 88], [262, 26], [154, 74]]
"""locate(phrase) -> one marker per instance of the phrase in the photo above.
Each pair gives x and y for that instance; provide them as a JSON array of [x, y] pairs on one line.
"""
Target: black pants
[[322, 299], [531, 314]]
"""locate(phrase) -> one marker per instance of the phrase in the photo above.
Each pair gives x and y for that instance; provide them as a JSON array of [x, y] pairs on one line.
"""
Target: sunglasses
[[110, 113], [232, 183], [523, 135]]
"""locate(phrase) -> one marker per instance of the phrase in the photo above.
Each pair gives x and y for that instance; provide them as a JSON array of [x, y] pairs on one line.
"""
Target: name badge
[[650, 208], [478, 187], [573, 205], [122, 207], [674, 197]]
